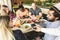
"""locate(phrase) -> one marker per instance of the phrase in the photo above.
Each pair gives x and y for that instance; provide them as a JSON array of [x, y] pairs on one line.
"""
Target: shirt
[[35, 12], [47, 36], [52, 31], [19, 35]]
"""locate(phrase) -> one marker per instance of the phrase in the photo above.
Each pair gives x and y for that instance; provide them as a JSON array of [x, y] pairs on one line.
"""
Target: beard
[[51, 20]]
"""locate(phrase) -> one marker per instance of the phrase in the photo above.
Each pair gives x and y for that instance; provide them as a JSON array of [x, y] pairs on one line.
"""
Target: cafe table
[[29, 32]]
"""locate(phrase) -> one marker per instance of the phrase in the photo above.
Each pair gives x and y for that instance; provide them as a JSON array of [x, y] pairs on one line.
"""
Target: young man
[[52, 30], [35, 11]]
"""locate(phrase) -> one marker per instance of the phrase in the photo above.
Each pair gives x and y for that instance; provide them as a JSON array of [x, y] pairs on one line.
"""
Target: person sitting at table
[[35, 11], [21, 12], [6, 11], [6, 33], [52, 28]]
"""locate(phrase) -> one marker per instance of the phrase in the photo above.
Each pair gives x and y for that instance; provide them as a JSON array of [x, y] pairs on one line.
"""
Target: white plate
[[26, 26]]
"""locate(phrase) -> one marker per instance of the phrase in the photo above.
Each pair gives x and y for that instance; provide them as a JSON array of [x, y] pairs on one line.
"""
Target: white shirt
[[52, 31]]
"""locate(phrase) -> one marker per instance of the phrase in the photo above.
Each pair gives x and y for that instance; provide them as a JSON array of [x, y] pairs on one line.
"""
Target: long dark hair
[[5, 29]]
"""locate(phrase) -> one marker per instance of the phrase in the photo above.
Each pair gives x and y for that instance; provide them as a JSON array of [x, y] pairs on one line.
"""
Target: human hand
[[37, 28]]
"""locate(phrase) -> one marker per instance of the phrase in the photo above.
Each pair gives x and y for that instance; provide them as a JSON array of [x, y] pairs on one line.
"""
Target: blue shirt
[[55, 24]]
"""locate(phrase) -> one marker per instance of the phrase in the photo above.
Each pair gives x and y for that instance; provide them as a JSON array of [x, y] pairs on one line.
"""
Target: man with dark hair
[[34, 10], [53, 24]]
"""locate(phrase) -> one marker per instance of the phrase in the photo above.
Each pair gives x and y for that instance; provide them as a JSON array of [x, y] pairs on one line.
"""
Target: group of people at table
[[7, 21]]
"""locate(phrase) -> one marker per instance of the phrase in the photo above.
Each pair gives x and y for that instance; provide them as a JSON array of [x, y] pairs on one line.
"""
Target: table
[[31, 34]]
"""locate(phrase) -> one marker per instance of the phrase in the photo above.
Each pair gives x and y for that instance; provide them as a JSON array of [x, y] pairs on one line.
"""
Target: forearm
[[51, 31]]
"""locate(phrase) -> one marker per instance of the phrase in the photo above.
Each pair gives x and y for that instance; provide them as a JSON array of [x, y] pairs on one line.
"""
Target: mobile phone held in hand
[[33, 25]]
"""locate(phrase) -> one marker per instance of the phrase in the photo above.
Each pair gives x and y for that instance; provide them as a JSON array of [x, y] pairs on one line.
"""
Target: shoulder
[[39, 8], [17, 31], [19, 35], [30, 9]]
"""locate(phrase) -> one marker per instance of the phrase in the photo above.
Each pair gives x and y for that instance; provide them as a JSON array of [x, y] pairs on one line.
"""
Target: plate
[[26, 26]]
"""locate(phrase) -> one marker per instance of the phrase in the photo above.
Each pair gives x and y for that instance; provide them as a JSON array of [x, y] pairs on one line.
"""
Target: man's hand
[[37, 28]]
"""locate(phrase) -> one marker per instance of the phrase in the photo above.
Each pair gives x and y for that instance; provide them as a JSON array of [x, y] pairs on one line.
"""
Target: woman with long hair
[[5, 31]]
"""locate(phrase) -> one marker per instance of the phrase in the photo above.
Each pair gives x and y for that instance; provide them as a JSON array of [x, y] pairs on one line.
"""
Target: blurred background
[[13, 4]]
